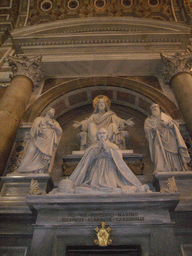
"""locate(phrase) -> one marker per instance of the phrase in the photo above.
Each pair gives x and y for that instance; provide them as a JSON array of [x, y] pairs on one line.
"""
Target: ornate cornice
[[171, 65], [30, 68], [114, 35]]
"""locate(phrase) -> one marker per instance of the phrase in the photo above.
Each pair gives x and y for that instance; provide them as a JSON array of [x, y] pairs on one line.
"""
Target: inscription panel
[[101, 216]]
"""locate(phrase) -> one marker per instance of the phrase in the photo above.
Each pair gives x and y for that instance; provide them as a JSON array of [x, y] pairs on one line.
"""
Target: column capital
[[30, 68], [172, 65]]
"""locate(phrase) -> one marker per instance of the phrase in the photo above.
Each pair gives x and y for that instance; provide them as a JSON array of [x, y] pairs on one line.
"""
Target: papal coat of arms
[[103, 235]]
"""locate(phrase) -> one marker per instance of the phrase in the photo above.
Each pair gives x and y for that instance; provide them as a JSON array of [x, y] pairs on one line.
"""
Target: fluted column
[[26, 74], [176, 71]]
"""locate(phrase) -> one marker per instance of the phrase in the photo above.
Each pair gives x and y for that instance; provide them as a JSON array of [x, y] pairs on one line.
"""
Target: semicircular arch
[[122, 91]]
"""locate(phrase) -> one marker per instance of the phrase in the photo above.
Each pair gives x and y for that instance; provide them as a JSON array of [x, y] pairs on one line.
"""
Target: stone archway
[[122, 91], [73, 100]]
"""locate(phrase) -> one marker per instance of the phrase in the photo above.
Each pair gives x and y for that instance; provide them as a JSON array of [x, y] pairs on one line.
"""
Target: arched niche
[[73, 101], [121, 91]]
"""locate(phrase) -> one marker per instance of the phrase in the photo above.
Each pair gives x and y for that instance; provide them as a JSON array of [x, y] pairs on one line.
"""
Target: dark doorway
[[129, 250]]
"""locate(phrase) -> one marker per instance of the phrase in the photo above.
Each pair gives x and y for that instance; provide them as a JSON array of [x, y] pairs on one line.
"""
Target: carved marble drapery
[[26, 74], [177, 72]]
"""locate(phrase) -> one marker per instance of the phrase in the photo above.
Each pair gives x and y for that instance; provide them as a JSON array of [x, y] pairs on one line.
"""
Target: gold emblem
[[171, 184], [101, 97], [34, 188], [103, 235]]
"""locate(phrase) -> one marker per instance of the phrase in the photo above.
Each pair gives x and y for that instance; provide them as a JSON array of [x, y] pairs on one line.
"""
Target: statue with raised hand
[[103, 117]]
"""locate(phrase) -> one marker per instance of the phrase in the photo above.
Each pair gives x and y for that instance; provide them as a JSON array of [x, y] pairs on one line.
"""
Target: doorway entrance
[[129, 250]]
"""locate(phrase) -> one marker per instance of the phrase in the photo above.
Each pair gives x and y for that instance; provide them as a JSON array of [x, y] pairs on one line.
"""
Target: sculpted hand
[[103, 144], [164, 123], [129, 122], [51, 123], [76, 124]]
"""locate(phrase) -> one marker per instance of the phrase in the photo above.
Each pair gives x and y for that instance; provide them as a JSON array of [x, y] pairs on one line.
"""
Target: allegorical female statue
[[45, 134], [103, 117], [167, 148]]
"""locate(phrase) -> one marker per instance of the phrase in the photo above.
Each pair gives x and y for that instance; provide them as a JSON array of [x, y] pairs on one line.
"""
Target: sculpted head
[[155, 110], [101, 106], [103, 224], [102, 135], [50, 112]]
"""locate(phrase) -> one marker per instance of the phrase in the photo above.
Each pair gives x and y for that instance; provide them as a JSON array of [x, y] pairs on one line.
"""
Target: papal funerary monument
[[96, 127]]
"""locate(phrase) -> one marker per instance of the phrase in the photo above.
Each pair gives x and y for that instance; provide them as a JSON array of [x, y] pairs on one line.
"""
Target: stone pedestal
[[183, 182], [133, 160], [137, 219], [15, 189], [128, 156]]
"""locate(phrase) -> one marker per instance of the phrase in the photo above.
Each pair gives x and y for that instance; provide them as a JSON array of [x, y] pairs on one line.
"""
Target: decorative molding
[[119, 35], [30, 68], [101, 40]]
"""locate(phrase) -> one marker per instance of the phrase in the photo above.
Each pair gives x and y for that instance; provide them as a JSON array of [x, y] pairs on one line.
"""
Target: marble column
[[176, 71], [26, 74]]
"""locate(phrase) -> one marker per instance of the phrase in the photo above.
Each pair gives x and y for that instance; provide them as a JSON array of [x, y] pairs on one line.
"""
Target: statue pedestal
[[183, 182], [135, 219], [15, 189], [128, 156], [134, 159]]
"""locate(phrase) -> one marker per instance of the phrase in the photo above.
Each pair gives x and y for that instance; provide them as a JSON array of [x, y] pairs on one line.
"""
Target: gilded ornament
[[103, 236], [101, 97], [171, 184], [34, 188]]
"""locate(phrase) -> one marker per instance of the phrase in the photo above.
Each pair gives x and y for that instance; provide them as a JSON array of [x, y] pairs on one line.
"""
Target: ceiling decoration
[[41, 11], [30, 12], [9, 10]]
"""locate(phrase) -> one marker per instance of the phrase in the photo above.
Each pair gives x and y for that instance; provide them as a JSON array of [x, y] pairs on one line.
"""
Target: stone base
[[183, 182], [15, 189], [81, 153], [128, 156], [137, 219]]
